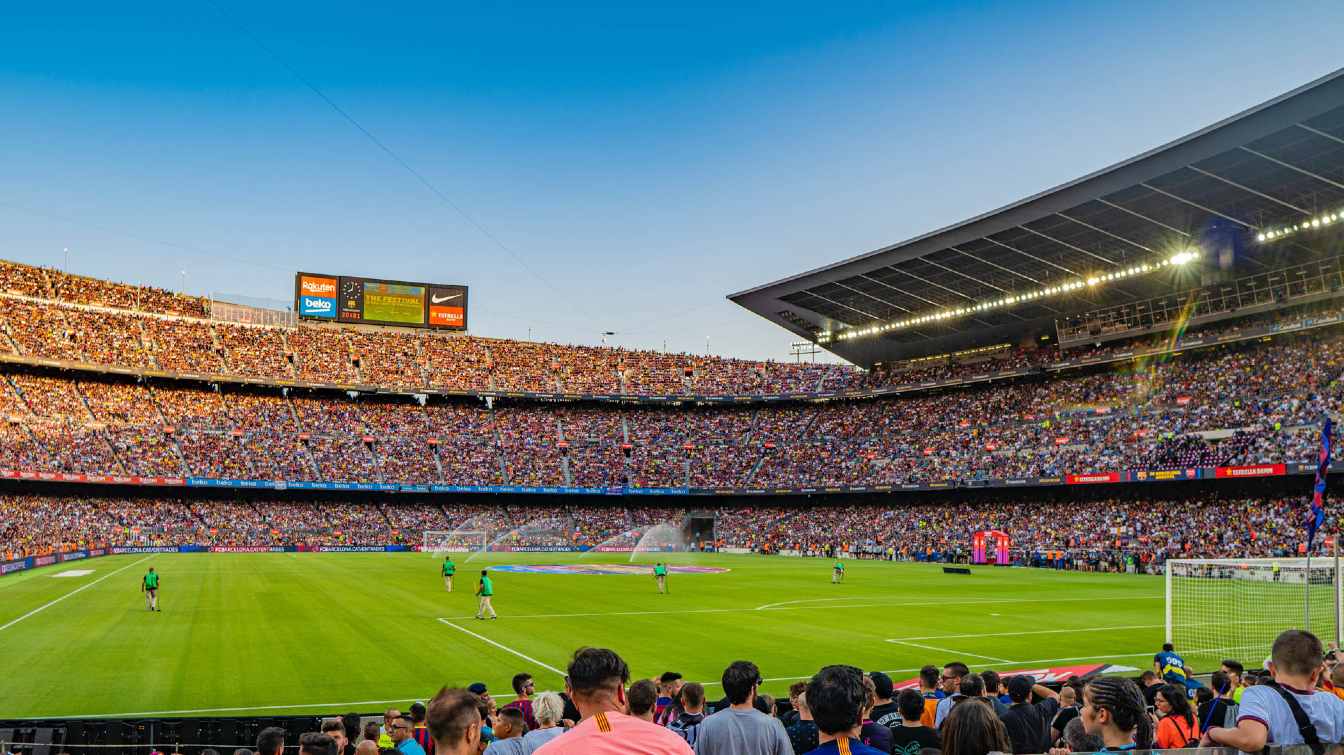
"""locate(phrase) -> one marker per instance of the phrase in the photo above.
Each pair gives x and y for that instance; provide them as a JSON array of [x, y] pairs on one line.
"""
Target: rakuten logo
[[318, 286]]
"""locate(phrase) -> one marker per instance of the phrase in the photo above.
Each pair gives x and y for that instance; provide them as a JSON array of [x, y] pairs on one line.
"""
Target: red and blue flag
[[1317, 516]]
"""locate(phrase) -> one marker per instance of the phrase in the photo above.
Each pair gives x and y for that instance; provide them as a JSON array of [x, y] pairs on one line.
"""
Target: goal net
[[1234, 608], [441, 543]]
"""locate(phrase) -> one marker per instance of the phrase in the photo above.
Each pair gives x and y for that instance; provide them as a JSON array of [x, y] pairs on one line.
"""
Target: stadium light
[[1320, 221], [1179, 259]]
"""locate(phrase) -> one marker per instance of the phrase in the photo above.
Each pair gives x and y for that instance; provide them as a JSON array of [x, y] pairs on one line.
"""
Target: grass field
[[244, 634]]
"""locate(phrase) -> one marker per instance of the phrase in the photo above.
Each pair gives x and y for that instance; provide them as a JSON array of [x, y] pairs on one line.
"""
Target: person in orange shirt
[[1177, 728]]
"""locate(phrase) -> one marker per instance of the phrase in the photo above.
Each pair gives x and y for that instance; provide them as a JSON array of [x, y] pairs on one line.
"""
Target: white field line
[[906, 640], [238, 709], [505, 648], [772, 607], [45, 606], [953, 652]]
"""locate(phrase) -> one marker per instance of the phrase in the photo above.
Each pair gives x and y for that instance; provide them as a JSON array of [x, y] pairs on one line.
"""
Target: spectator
[[953, 673], [596, 683], [973, 729], [1028, 723], [1151, 684], [686, 725], [929, 689], [367, 747], [741, 728], [669, 687], [455, 722], [390, 717], [1236, 672], [1215, 711], [790, 716], [420, 732], [1076, 739], [509, 732], [803, 731], [371, 733], [1268, 712], [641, 699], [549, 710], [523, 688], [350, 721], [886, 712], [402, 738], [1068, 710], [317, 743], [871, 733], [836, 697], [271, 741], [1176, 724], [992, 685], [910, 735], [1114, 710], [335, 728]]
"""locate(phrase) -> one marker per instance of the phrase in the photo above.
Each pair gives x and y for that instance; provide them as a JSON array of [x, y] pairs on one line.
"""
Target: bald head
[[367, 747]]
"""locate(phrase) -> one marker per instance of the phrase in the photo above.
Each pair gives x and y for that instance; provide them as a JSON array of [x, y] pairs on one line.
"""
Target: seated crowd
[[1257, 404], [843, 709], [1136, 535]]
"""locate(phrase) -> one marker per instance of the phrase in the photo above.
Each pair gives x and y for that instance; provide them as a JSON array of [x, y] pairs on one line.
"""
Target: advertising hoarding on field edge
[[350, 298]]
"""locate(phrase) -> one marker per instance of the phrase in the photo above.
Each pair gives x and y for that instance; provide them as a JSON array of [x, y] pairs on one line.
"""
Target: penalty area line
[[505, 648], [45, 606], [951, 652]]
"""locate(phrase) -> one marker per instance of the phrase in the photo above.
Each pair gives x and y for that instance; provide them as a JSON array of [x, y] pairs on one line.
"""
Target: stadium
[[1054, 437]]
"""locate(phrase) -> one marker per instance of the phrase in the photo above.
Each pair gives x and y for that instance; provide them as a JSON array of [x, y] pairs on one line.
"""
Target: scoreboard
[[348, 298]]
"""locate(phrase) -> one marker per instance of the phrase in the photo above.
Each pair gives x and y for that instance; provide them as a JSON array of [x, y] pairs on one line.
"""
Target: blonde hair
[[548, 708]]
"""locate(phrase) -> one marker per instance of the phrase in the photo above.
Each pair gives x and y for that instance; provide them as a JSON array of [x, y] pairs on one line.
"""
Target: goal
[[457, 541], [1234, 608]]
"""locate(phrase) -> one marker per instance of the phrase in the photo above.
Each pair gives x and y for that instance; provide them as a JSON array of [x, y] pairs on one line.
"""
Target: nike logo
[[442, 299]]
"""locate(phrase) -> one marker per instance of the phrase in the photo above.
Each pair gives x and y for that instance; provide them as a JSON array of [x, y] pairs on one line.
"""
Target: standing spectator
[[596, 683], [931, 692], [871, 733], [455, 722], [335, 728], [953, 673], [803, 731], [993, 685], [371, 733], [836, 697], [973, 729], [390, 717], [1268, 711], [641, 699], [550, 710], [1177, 727], [1068, 710], [1214, 712], [1236, 672], [421, 731], [790, 716], [367, 746], [523, 688], [910, 735], [509, 731], [687, 723], [271, 741], [1114, 710], [1151, 683], [1028, 723], [886, 711], [669, 689], [741, 729], [401, 737], [351, 723], [317, 743], [1076, 738]]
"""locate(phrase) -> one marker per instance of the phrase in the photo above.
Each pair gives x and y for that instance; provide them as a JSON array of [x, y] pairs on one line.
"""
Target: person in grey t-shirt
[[740, 729]]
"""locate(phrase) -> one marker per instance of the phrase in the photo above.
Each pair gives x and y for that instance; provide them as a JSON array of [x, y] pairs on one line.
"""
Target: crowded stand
[[1102, 534]]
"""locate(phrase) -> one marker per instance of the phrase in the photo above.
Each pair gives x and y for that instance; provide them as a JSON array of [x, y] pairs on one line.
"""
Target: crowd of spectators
[[1113, 534]]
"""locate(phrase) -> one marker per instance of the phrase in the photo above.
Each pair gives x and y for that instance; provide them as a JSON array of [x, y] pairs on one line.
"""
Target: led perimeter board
[[348, 298]]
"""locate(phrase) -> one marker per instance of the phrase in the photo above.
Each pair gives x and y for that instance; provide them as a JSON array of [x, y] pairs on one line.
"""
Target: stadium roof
[[1012, 271]]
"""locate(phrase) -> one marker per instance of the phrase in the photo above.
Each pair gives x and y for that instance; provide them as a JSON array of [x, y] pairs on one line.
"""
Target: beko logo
[[314, 304], [442, 299]]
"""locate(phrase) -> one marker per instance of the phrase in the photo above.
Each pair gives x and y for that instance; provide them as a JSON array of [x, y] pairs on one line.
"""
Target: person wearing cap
[[1027, 722]]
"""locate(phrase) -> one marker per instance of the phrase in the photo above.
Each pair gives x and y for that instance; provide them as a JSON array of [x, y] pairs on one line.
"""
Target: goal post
[[1234, 608], [443, 542]]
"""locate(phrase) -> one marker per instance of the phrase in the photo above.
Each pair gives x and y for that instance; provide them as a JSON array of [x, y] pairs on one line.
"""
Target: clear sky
[[623, 166]]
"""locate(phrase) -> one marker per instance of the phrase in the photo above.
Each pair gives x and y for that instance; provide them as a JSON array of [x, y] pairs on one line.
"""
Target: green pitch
[[326, 633]]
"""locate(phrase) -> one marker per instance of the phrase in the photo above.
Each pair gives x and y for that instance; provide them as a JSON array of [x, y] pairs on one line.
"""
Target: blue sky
[[629, 164]]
